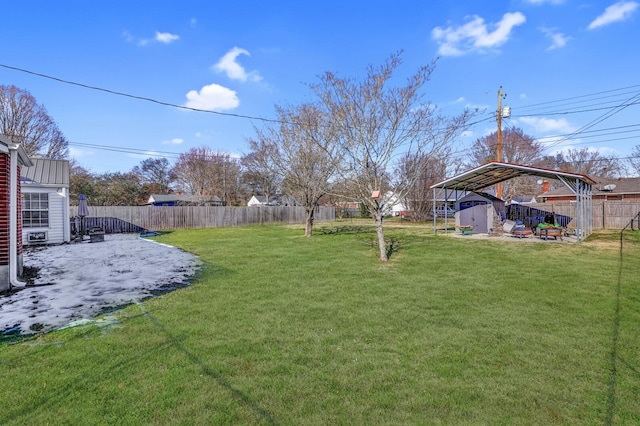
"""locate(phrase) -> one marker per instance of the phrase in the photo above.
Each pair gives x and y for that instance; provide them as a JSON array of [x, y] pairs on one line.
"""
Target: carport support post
[[584, 209], [433, 212], [446, 211]]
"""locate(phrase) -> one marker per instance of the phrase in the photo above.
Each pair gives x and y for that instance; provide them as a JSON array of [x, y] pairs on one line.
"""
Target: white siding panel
[[57, 204], [56, 224]]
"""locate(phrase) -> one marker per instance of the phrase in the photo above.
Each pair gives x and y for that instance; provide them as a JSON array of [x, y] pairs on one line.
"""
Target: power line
[[599, 119], [574, 100], [147, 99], [271, 120], [580, 111], [560, 101], [141, 98], [147, 152]]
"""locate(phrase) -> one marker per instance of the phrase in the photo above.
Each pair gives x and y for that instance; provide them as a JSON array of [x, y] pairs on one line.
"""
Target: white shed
[[45, 202]]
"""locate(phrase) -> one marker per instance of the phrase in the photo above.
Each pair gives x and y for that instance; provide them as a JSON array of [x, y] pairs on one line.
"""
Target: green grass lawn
[[279, 328]]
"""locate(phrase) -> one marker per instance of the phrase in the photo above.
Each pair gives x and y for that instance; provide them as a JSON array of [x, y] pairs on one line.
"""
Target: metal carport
[[495, 172]]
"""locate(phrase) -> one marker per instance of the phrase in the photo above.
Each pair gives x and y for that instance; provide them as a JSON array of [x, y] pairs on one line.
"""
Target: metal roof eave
[[495, 172]]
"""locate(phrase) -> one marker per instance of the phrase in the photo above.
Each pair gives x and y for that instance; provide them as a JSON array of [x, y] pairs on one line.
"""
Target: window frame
[[35, 212]]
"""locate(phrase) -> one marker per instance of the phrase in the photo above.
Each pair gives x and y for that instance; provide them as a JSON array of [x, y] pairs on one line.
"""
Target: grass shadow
[[345, 229]]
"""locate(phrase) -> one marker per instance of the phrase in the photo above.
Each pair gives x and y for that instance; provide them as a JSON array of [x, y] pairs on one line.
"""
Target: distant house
[[523, 199], [348, 208], [443, 201], [287, 201], [605, 189], [257, 200], [184, 200], [447, 197], [393, 205], [45, 202], [284, 200], [12, 159], [261, 200]]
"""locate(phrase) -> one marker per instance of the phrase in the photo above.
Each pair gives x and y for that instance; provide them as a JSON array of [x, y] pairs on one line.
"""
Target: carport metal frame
[[496, 172]]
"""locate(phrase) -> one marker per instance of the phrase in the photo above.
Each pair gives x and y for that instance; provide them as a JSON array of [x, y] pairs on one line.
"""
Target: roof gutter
[[16, 154]]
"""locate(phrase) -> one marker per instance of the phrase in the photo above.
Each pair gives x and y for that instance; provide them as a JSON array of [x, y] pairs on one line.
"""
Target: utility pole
[[499, 147]]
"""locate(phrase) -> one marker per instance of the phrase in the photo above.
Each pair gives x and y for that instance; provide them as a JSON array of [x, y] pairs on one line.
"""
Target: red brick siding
[[19, 210], [595, 197], [5, 175]]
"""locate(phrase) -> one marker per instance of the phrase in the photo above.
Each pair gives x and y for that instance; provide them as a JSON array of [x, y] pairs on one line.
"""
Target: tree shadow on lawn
[[82, 381], [236, 393]]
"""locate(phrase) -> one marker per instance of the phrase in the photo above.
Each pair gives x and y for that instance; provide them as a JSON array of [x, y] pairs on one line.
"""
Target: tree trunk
[[308, 228], [381, 243]]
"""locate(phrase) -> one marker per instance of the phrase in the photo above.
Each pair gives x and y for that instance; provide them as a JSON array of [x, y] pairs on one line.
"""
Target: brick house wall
[[5, 221], [19, 229], [5, 173], [595, 197]]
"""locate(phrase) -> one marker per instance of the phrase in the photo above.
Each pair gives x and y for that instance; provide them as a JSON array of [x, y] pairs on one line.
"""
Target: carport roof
[[495, 172]]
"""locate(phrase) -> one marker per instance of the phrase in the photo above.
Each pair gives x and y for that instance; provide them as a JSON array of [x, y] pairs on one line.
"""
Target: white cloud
[[616, 12], [228, 65], [212, 97], [174, 141], [546, 125], [558, 40], [474, 35], [166, 38]]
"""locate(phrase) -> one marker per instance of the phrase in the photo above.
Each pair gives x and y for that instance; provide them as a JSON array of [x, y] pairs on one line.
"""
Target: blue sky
[[568, 67]]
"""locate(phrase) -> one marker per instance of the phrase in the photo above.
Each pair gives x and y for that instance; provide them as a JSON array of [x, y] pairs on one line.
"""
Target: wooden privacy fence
[[185, 217], [607, 215]]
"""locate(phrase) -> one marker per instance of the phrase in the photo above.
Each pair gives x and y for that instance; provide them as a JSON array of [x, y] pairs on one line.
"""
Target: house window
[[35, 210]]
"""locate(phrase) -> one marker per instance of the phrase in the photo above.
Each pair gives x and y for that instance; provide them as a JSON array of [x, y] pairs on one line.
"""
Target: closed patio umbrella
[[83, 210]]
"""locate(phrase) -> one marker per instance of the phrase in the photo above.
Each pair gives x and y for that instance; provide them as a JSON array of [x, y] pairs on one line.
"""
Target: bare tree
[[377, 123], [419, 198], [224, 173], [259, 173], [156, 173], [301, 150], [191, 170], [118, 189], [517, 148], [587, 162], [201, 171], [634, 159], [26, 122]]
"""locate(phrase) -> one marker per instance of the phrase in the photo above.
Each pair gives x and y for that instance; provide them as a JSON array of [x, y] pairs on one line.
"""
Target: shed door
[[475, 216]]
